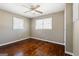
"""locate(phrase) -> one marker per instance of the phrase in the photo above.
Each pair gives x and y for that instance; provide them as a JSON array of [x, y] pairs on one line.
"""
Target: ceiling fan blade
[[37, 6], [27, 11], [26, 6], [38, 11]]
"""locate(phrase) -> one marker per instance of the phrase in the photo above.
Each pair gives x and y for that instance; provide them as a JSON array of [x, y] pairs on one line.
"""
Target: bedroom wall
[[7, 34], [57, 32]]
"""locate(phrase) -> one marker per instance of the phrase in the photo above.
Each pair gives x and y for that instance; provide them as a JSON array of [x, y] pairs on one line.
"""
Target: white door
[[76, 29], [76, 38]]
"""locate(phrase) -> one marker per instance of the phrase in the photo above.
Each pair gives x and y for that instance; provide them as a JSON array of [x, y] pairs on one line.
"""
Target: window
[[39, 24], [18, 23], [44, 23]]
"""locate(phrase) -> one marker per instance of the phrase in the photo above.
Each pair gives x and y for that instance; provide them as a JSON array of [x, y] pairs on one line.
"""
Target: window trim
[[13, 23], [43, 24]]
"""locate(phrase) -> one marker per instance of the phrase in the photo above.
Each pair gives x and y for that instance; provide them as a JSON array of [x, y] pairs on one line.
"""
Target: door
[[76, 38]]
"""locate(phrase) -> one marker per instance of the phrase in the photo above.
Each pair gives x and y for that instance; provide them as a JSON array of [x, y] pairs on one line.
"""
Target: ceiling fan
[[33, 8]]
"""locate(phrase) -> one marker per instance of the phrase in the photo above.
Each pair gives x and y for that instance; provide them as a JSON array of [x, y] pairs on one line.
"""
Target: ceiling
[[46, 8]]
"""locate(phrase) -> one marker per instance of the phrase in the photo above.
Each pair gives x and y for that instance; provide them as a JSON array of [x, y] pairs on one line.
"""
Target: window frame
[[43, 28], [13, 23]]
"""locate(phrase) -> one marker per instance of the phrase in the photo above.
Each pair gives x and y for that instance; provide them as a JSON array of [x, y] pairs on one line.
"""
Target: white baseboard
[[47, 40], [13, 41], [28, 38], [69, 53]]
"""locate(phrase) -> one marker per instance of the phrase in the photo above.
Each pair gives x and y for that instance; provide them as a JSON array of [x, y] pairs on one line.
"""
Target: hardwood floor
[[32, 47]]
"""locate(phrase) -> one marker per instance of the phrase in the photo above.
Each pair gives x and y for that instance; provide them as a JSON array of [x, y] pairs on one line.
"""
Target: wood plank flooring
[[32, 47]]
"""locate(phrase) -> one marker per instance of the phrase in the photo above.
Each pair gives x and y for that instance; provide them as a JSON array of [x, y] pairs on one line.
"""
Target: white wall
[[7, 34], [57, 32]]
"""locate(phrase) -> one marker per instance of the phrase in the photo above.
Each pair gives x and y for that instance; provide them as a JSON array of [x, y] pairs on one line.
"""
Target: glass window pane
[[44, 23], [39, 24], [18, 23], [47, 23]]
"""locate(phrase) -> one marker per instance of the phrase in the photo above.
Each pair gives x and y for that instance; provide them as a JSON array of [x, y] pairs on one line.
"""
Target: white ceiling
[[46, 8]]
